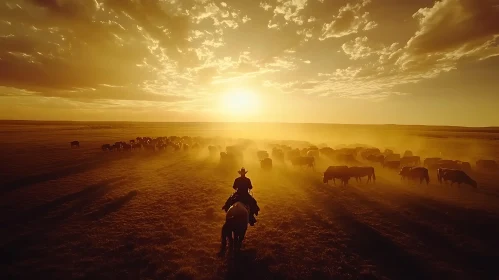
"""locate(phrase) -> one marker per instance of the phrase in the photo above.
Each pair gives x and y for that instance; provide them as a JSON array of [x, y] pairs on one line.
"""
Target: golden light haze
[[386, 61]]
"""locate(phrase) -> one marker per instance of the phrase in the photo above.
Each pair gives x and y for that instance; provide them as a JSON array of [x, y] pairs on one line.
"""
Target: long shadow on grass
[[246, 265], [28, 180], [473, 223], [21, 244], [393, 261], [112, 206], [42, 210]]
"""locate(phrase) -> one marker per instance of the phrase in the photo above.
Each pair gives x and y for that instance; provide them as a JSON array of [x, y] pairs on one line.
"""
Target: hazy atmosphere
[[248, 139], [379, 61]]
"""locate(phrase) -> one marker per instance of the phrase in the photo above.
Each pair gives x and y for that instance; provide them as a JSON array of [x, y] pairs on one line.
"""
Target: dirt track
[[130, 216]]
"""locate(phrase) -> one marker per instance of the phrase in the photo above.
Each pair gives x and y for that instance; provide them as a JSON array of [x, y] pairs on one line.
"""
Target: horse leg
[[223, 244]]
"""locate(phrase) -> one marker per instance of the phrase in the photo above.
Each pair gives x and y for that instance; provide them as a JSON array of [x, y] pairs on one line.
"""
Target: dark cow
[[293, 154], [336, 172], [408, 154], [388, 152], [346, 158], [303, 161], [327, 152], [277, 154], [137, 146], [126, 147], [370, 152], [106, 147], [213, 150], [465, 166], [228, 158], [376, 158], [404, 171], [415, 173], [455, 176], [262, 155], [449, 164], [359, 172], [391, 164], [392, 157], [75, 144], [410, 161], [313, 153], [266, 163], [486, 165]]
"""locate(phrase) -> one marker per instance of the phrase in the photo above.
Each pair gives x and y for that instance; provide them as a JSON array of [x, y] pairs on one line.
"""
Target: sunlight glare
[[240, 102]]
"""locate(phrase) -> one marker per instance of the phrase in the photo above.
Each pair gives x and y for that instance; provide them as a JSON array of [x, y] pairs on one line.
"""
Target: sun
[[240, 102]]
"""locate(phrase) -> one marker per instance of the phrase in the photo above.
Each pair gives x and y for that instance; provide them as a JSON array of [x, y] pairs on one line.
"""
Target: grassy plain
[[87, 214]]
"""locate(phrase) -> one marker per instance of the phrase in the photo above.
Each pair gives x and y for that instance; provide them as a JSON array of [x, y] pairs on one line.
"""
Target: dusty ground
[[85, 214]]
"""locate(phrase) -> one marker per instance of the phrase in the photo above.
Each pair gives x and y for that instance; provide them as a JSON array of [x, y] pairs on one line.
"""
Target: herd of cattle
[[351, 161]]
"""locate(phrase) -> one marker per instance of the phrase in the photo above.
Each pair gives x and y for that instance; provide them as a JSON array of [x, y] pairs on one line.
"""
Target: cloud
[[464, 26], [350, 20], [183, 52], [357, 48]]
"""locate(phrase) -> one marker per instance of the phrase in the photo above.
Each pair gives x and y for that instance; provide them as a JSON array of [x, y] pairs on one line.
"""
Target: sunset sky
[[330, 61]]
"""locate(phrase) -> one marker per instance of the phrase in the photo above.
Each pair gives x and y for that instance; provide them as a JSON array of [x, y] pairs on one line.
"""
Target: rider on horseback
[[242, 185]]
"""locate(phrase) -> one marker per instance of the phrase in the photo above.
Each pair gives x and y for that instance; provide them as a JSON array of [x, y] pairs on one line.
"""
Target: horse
[[235, 226]]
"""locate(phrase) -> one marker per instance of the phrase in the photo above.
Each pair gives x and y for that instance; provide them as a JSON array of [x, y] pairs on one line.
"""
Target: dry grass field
[[88, 214]]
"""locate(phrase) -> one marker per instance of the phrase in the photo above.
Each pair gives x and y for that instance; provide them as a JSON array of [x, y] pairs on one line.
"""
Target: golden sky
[[366, 61]]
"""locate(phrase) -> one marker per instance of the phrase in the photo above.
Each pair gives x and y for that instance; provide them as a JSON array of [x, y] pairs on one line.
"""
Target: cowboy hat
[[242, 171]]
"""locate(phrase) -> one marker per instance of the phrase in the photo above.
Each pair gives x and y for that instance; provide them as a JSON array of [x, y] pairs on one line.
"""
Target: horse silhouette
[[235, 226]]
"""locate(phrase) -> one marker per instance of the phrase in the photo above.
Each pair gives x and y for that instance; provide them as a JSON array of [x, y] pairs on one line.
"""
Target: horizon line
[[252, 122]]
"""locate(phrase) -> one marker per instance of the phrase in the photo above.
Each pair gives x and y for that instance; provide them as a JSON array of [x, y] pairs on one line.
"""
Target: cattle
[[303, 161], [449, 164], [455, 176], [277, 154], [262, 155], [465, 166], [149, 147], [336, 172], [266, 163], [326, 151], [408, 154], [137, 146], [359, 172], [293, 154], [313, 153], [196, 146], [388, 152], [391, 164], [348, 151], [415, 173], [392, 157], [404, 171], [74, 144], [369, 152], [126, 147], [132, 141], [185, 147], [346, 158], [431, 161], [376, 158], [213, 150], [106, 147], [486, 165], [228, 158], [410, 161]]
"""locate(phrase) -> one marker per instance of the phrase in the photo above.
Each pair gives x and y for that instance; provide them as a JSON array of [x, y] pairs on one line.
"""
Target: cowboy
[[242, 185]]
